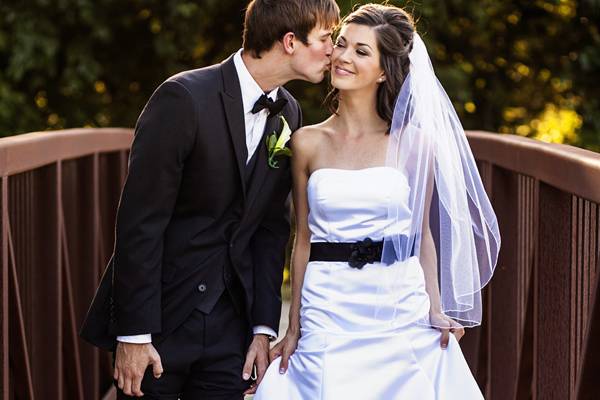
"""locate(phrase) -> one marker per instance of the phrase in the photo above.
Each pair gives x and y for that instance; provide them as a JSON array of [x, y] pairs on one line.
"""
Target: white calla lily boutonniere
[[276, 145]]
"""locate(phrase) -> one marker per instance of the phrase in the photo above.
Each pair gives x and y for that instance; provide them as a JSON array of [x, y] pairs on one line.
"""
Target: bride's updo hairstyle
[[394, 29]]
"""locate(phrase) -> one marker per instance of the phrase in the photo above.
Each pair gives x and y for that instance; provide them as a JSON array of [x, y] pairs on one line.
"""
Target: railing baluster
[[24, 374], [59, 283], [4, 357], [74, 342], [575, 279], [96, 263]]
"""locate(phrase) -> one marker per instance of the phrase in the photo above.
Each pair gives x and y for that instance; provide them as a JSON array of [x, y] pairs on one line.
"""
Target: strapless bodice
[[350, 205]]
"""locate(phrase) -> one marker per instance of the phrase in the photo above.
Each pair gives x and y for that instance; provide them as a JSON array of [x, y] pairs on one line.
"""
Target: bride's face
[[355, 60]]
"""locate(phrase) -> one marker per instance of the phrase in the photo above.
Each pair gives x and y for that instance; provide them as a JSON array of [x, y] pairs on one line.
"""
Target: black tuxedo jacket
[[188, 223]]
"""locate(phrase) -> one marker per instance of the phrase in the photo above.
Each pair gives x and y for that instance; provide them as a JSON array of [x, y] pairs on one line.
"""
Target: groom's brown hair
[[267, 21]]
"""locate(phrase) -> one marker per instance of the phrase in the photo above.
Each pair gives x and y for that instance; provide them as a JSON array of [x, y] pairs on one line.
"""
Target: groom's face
[[312, 61]]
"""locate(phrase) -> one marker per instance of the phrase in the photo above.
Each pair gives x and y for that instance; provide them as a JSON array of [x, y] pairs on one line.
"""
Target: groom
[[191, 295]]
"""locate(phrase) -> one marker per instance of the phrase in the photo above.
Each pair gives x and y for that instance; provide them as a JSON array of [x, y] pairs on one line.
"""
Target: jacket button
[[202, 288]]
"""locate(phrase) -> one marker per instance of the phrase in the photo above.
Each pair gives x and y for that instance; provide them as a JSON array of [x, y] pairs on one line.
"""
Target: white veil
[[428, 145]]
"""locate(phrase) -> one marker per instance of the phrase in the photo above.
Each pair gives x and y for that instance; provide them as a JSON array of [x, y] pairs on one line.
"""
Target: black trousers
[[203, 358]]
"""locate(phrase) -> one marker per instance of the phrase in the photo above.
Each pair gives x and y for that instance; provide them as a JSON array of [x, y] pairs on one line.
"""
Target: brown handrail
[[33, 150], [568, 168]]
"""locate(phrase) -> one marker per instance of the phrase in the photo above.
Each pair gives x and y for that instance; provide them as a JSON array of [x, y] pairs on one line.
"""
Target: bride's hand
[[285, 349], [439, 321]]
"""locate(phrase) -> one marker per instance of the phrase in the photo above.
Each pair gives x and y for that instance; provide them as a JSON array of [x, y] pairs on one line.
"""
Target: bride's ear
[[289, 42], [381, 78]]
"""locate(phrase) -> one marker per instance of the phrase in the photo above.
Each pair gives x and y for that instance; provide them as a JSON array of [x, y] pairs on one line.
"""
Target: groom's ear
[[289, 42]]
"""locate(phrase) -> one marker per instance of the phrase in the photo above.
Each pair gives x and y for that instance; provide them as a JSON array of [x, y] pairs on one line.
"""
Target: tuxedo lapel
[[234, 113]]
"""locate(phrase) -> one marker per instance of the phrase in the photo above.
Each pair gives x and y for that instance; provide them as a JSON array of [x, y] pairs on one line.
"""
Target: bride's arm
[[301, 250], [428, 256], [428, 259], [300, 144]]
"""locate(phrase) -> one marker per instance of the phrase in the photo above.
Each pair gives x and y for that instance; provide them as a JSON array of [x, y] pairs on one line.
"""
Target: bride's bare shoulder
[[311, 136]]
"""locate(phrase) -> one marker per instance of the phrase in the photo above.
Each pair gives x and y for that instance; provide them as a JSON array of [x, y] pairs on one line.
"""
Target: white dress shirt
[[255, 123], [255, 126]]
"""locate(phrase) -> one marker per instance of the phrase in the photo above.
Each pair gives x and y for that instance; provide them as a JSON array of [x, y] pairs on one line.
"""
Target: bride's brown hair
[[394, 29]]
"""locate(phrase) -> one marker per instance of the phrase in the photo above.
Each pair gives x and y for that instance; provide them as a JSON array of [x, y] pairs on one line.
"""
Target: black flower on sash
[[364, 252]]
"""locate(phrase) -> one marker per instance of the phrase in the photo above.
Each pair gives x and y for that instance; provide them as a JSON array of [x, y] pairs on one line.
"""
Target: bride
[[395, 236]]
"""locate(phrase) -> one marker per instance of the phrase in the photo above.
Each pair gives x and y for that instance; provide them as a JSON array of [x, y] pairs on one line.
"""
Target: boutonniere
[[276, 144]]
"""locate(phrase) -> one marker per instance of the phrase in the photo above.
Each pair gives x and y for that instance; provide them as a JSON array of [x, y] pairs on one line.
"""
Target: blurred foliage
[[526, 67], [72, 63]]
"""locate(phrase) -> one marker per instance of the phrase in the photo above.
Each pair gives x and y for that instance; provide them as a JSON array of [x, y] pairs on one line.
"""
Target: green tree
[[72, 63], [528, 67]]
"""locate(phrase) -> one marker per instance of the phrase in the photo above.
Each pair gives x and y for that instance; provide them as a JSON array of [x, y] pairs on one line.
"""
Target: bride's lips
[[342, 71]]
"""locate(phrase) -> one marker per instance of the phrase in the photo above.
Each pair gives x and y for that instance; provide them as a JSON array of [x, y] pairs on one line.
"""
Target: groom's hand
[[258, 354], [131, 361]]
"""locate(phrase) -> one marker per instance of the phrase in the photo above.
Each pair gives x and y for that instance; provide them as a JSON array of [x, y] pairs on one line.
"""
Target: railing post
[[590, 366], [504, 349], [552, 300], [476, 342]]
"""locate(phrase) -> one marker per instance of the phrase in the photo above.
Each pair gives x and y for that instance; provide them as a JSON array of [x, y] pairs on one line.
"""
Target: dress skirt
[[364, 340]]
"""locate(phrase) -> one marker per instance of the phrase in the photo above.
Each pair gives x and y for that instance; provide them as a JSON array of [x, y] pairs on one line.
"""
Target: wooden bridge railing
[[59, 195], [540, 339], [60, 191]]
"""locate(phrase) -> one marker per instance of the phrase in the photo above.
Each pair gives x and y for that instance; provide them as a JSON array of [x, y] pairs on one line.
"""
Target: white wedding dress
[[344, 351]]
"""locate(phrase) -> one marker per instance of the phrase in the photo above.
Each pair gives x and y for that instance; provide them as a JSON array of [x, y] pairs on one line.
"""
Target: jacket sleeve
[[164, 136], [269, 248]]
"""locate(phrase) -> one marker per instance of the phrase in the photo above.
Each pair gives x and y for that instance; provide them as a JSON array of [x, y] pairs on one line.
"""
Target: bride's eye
[[361, 53]]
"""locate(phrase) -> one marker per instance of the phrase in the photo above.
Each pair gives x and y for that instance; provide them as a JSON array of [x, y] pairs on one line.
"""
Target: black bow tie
[[265, 101]]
